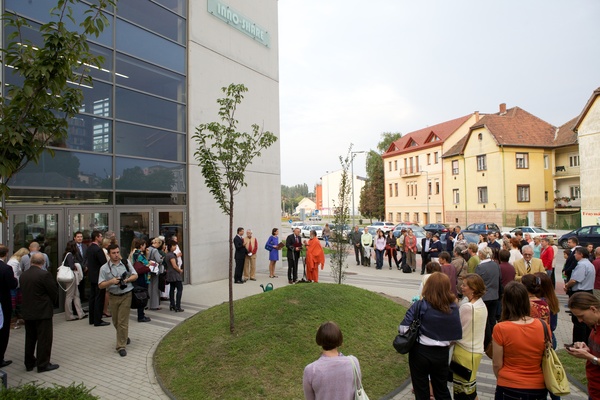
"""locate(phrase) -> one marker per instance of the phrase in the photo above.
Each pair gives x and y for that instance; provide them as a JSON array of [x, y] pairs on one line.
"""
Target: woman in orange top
[[314, 257], [517, 362]]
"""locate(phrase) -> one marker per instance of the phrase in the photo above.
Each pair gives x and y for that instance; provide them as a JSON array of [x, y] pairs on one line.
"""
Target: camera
[[122, 283]]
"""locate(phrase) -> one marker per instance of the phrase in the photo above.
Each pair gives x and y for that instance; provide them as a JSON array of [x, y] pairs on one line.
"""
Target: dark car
[[482, 227], [440, 229], [585, 234]]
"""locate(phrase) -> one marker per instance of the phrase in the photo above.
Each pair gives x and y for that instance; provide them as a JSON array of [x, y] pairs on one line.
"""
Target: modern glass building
[[127, 164]]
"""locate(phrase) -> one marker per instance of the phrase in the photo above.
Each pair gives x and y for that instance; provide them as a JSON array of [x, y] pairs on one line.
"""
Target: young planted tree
[[224, 154], [35, 112], [340, 245]]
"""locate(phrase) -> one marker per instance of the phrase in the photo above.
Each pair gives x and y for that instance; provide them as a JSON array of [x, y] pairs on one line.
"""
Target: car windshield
[[540, 230]]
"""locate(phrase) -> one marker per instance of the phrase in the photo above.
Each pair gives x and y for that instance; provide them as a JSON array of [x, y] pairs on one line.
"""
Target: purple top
[[380, 243], [330, 378]]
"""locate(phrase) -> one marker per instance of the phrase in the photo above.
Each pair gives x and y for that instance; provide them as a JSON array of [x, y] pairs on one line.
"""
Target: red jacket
[[547, 256]]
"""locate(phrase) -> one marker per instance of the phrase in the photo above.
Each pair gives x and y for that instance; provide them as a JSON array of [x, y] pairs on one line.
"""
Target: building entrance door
[[133, 224]]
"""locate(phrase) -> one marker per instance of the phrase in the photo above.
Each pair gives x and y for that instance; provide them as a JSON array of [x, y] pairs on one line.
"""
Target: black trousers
[[292, 258], [581, 332], [358, 253], [96, 304], [239, 269], [175, 300], [38, 332], [425, 258], [429, 362], [491, 306], [5, 330]]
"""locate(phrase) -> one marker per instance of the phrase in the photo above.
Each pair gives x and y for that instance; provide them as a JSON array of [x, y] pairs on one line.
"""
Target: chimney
[[476, 116], [502, 108]]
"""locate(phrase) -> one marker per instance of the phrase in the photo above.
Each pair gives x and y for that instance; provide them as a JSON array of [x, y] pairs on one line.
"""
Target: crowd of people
[[29, 291]]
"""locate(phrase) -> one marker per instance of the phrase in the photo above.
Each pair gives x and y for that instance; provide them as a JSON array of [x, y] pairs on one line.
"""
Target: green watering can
[[267, 288]]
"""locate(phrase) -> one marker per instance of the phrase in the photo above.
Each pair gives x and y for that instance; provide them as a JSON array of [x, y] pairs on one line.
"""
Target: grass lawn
[[275, 340], [574, 366]]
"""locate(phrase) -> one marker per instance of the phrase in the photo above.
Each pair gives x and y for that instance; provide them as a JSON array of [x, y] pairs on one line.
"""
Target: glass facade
[[131, 133]]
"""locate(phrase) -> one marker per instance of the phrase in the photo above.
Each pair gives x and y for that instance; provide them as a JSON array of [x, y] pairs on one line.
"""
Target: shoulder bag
[[65, 274], [360, 393], [405, 341], [555, 376], [268, 246]]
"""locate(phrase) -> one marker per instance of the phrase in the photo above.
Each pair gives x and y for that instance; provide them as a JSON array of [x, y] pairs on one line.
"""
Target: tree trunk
[[231, 319]]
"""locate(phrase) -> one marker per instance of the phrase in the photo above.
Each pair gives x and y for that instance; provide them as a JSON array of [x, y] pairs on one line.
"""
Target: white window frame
[[482, 194], [522, 160], [482, 163], [523, 193]]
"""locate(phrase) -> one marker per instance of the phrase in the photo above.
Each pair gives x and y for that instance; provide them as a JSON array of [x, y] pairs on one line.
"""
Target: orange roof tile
[[565, 135]]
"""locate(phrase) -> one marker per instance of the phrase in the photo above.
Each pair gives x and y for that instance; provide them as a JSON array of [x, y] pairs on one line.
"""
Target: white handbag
[[65, 274], [360, 393]]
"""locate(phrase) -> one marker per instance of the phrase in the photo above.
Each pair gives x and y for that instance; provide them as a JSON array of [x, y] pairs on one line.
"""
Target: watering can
[[267, 288]]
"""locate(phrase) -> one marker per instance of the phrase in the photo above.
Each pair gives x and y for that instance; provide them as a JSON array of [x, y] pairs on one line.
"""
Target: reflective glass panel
[[148, 110], [140, 141], [87, 222], [133, 225], [149, 47], [152, 176], [149, 78], [97, 100], [58, 197], [177, 6], [177, 199], [88, 133], [103, 72], [154, 18], [67, 169]]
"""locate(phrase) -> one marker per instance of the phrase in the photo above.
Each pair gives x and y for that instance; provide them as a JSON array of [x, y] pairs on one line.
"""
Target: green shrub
[[33, 390]]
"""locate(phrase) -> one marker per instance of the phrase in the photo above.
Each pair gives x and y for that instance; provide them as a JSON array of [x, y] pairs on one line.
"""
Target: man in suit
[[425, 246], [80, 258], [240, 255], [95, 259], [527, 264], [251, 245], [39, 293], [8, 282], [571, 262], [293, 244]]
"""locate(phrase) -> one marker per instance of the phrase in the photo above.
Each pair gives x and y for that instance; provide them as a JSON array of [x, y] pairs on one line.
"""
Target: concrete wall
[[589, 143], [218, 56]]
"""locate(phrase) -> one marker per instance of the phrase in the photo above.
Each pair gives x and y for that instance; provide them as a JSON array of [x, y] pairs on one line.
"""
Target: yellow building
[[414, 175], [501, 171]]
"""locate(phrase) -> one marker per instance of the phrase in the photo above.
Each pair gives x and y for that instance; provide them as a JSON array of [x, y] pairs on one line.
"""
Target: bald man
[[34, 247]]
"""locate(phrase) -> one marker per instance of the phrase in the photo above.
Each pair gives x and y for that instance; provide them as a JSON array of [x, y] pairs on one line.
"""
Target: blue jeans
[[504, 393], [379, 258]]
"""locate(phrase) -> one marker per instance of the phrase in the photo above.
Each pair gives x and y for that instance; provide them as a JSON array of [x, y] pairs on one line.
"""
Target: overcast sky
[[350, 70]]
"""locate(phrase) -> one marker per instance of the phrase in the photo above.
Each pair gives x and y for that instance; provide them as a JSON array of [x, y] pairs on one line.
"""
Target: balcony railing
[[410, 171], [562, 170]]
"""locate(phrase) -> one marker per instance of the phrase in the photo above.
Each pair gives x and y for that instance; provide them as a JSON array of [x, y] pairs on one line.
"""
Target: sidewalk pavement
[[86, 354]]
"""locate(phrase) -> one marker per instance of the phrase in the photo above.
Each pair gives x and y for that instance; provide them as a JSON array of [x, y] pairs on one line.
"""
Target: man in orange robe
[[314, 257]]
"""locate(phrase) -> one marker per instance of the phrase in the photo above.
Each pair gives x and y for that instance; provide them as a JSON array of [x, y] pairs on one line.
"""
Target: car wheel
[[563, 244]]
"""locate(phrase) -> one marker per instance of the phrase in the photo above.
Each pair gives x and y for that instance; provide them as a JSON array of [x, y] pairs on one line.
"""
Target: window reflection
[[148, 110], [177, 6], [67, 169], [97, 100], [39, 197], [154, 18], [176, 199], [88, 133], [155, 176], [134, 140]]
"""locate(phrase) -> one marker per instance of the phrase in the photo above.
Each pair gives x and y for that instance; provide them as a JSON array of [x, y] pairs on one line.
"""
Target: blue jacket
[[436, 324]]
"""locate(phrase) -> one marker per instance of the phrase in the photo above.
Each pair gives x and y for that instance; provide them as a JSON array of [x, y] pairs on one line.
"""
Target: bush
[[35, 391]]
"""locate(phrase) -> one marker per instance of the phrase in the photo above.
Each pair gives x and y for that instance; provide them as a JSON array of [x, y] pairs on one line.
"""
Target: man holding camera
[[116, 278]]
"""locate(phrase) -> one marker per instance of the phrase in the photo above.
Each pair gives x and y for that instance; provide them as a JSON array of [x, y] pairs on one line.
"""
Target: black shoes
[[5, 363], [239, 282], [49, 367], [122, 352], [180, 310], [128, 341], [145, 319], [102, 323]]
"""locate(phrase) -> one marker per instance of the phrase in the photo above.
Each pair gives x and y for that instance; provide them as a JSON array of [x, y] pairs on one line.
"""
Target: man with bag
[[116, 278]]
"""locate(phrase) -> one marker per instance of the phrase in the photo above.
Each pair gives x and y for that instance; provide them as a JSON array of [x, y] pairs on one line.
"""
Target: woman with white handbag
[[71, 288]]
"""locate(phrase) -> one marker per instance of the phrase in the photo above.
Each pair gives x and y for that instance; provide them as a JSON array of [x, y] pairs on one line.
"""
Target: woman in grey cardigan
[[154, 254]]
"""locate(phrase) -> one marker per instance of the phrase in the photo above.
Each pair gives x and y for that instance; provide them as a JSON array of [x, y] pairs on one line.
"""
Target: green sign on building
[[239, 22]]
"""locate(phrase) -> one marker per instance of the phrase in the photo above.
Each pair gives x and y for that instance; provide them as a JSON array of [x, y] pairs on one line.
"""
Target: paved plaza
[[86, 354]]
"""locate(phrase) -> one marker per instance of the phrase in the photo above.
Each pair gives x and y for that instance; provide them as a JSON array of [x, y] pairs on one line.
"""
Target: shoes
[[357, 263], [106, 315], [122, 352], [239, 282], [85, 310], [252, 279], [69, 320], [84, 316], [145, 319], [102, 323], [156, 309], [29, 369], [128, 341], [49, 367], [390, 268], [164, 298], [5, 363], [291, 282], [179, 310], [171, 308]]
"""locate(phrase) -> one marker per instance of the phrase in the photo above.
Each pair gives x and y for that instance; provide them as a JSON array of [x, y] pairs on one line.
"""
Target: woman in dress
[[273, 241], [156, 259], [428, 358], [586, 308], [138, 254], [72, 292], [315, 257], [390, 249], [332, 375], [174, 278], [517, 363], [380, 242], [468, 350]]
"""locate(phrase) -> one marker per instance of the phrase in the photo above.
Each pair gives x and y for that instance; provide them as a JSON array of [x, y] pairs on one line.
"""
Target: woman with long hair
[[390, 249], [538, 307], [156, 260], [482, 244], [428, 358], [380, 242], [468, 350], [273, 241], [517, 363], [174, 277], [138, 255], [72, 292], [548, 294], [586, 308], [15, 294], [332, 375], [515, 251]]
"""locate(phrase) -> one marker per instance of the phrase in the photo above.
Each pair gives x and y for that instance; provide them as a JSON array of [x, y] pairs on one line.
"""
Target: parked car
[[534, 231], [405, 224], [585, 234], [482, 227], [384, 226], [345, 230], [314, 218], [440, 229], [415, 228], [305, 231], [297, 224]]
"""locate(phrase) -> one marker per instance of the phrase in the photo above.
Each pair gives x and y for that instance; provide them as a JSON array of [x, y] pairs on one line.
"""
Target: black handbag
[[139, 297], [405, 341]]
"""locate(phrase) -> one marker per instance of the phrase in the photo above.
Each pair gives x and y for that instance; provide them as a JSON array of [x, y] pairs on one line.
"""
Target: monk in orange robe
[[314, 257]]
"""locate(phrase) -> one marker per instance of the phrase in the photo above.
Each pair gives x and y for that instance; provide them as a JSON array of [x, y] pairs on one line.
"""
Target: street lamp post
[[352, 153]]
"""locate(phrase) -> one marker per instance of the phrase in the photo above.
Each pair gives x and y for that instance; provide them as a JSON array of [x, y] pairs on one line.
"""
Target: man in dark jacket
[[294, 245], [39, 293], [8, 282], [240, 255], [355, 240], [95, 259]]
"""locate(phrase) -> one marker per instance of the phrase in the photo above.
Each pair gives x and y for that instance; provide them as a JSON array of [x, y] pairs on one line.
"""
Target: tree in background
[[35, 113], [372, 195], [340, 245], [224, 155]]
